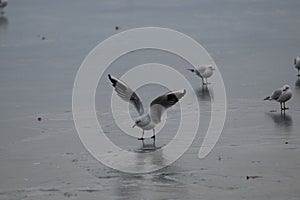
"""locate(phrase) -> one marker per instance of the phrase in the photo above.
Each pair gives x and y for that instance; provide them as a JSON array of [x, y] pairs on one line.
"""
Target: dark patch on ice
[[255, 161], [49, 190], [69, 194], [90, 190], [253, 177]]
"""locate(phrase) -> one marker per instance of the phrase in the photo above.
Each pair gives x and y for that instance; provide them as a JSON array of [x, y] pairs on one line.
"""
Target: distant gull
[[203, 72], [297, 64], [281, 95], [157, 107], [3, 3]]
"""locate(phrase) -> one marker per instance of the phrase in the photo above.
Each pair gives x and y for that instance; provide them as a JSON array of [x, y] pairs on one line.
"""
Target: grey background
[[252, 42]]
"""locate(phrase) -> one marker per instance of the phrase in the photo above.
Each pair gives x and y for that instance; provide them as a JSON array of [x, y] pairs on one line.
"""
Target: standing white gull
[[203, 72], [297, 64], [281, 95], [157, 107]]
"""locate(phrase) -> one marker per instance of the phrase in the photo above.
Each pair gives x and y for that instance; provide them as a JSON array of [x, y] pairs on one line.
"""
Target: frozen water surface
[[42, 44]]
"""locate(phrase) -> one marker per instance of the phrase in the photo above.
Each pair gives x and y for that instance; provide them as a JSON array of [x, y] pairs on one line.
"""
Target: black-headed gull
[[203, 72], [157, 107], [281, 95]]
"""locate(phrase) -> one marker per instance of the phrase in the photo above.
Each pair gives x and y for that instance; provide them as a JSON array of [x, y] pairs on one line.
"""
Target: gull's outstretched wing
[[127, 94], [163, 102]]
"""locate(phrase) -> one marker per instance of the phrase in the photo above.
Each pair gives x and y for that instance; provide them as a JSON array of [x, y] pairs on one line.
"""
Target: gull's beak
[[133, 125]]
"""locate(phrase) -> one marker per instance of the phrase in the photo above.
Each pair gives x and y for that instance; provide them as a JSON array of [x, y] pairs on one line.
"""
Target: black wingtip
[[172, 97], [192, 70], [113, 81]]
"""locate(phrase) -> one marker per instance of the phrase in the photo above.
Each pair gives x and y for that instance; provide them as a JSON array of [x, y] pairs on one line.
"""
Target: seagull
[[203, 72], [297, 64], [3, 3], [157, 107], [281, 95]]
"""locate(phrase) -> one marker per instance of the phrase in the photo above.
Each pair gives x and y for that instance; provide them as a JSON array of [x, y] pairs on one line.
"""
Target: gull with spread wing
[[146, 121]]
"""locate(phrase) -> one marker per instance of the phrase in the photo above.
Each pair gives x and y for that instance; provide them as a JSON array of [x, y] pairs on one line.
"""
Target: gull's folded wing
[[276, 94]]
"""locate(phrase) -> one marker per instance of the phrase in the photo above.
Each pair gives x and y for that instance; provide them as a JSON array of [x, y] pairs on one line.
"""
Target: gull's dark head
[[211, 67], [286, 87], [137, 123]]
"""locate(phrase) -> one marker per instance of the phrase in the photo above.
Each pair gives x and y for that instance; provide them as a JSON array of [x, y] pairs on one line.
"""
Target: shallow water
[[42, 44]]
